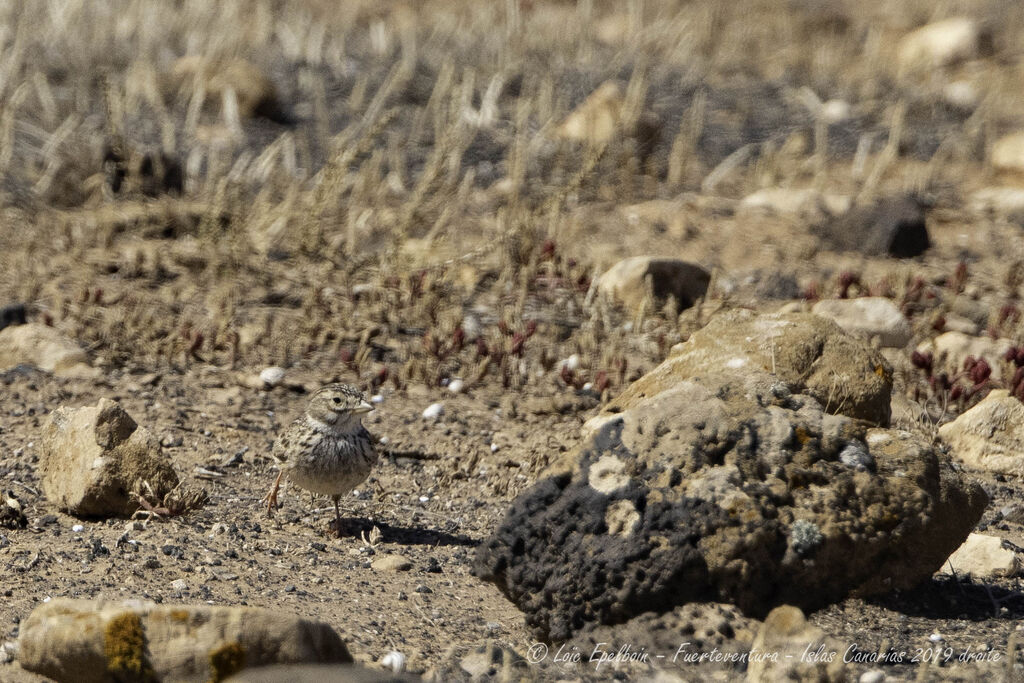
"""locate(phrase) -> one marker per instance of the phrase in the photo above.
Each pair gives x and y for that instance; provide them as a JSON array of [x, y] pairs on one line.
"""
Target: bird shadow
[[356, 527]]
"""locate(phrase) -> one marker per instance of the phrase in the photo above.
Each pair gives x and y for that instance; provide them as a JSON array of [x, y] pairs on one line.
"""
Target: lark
[[327, 450]]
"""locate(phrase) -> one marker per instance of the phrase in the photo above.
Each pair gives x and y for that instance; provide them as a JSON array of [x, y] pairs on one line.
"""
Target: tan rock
[[951, 349], [963, 94], [871, 317], [86, 641], [983, 556], [804, 652], [1008, 154], [793, 201], [989, 436], [254, 92], [809, 353], [95, 460], [41, 346], [318, 673], [613, 29], [392, 563], [626, 281], [1003, 201], [597, 119], [601, 117], [940, 43], [663, 214]]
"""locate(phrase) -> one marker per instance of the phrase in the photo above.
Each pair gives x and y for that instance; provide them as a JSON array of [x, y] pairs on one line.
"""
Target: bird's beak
[[363, 407]]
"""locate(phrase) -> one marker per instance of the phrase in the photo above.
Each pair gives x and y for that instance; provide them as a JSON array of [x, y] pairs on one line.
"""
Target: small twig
[[26, 487]]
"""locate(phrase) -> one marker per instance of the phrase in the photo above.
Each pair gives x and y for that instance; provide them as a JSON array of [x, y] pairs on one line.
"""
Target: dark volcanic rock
[[894, 226], [726, 488]]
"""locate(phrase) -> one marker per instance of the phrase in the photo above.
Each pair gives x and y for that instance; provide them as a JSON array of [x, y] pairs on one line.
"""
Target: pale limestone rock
[[983, 556], [989, 436], [869, 317]]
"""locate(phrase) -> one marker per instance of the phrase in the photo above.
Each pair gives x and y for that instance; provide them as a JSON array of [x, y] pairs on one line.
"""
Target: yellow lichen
[[179, 615], [124, 645], [225, 661]]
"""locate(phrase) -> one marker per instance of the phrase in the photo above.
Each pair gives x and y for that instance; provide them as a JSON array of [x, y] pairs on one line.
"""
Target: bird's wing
[[286, 442]]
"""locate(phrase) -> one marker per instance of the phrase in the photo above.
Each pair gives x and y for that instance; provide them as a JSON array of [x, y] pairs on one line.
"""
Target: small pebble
[[172, 441], [572, 363], [394, 660], [424, 499], [272, 376], [376, 398], [873, 676], [936, 638], [494, 448], [456, 386], [78, 528], [433, 411], [423, 588]]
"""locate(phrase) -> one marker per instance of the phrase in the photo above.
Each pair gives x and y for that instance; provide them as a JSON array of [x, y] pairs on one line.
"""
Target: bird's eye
[[337, 400]]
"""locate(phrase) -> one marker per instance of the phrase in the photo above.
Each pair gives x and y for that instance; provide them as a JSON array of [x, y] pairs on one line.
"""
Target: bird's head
[[338, 404]]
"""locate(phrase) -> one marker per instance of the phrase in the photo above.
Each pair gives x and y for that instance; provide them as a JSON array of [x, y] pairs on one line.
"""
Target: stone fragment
[[989, 436], [726, 487], [93, 641], [796, 202], [983, 557], [41, 346], [941, 43], [891, 226], [1008, 155], [96, 461], [626, 281], [600, 118], [950, 349], [254, 92], [804, 652], [807, 353], [317, 673], [871, 317], [392, 563]]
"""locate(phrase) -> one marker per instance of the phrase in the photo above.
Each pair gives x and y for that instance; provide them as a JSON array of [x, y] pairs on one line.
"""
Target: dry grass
[[416, 195]]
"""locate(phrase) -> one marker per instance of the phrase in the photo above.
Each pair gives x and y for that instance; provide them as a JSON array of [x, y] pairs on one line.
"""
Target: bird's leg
[[337, 515], [271, 498]]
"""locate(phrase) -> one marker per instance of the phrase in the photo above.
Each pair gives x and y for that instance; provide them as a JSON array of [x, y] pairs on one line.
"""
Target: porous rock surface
[[807, 353], [726, 488], [85, 641], [96, 459]]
